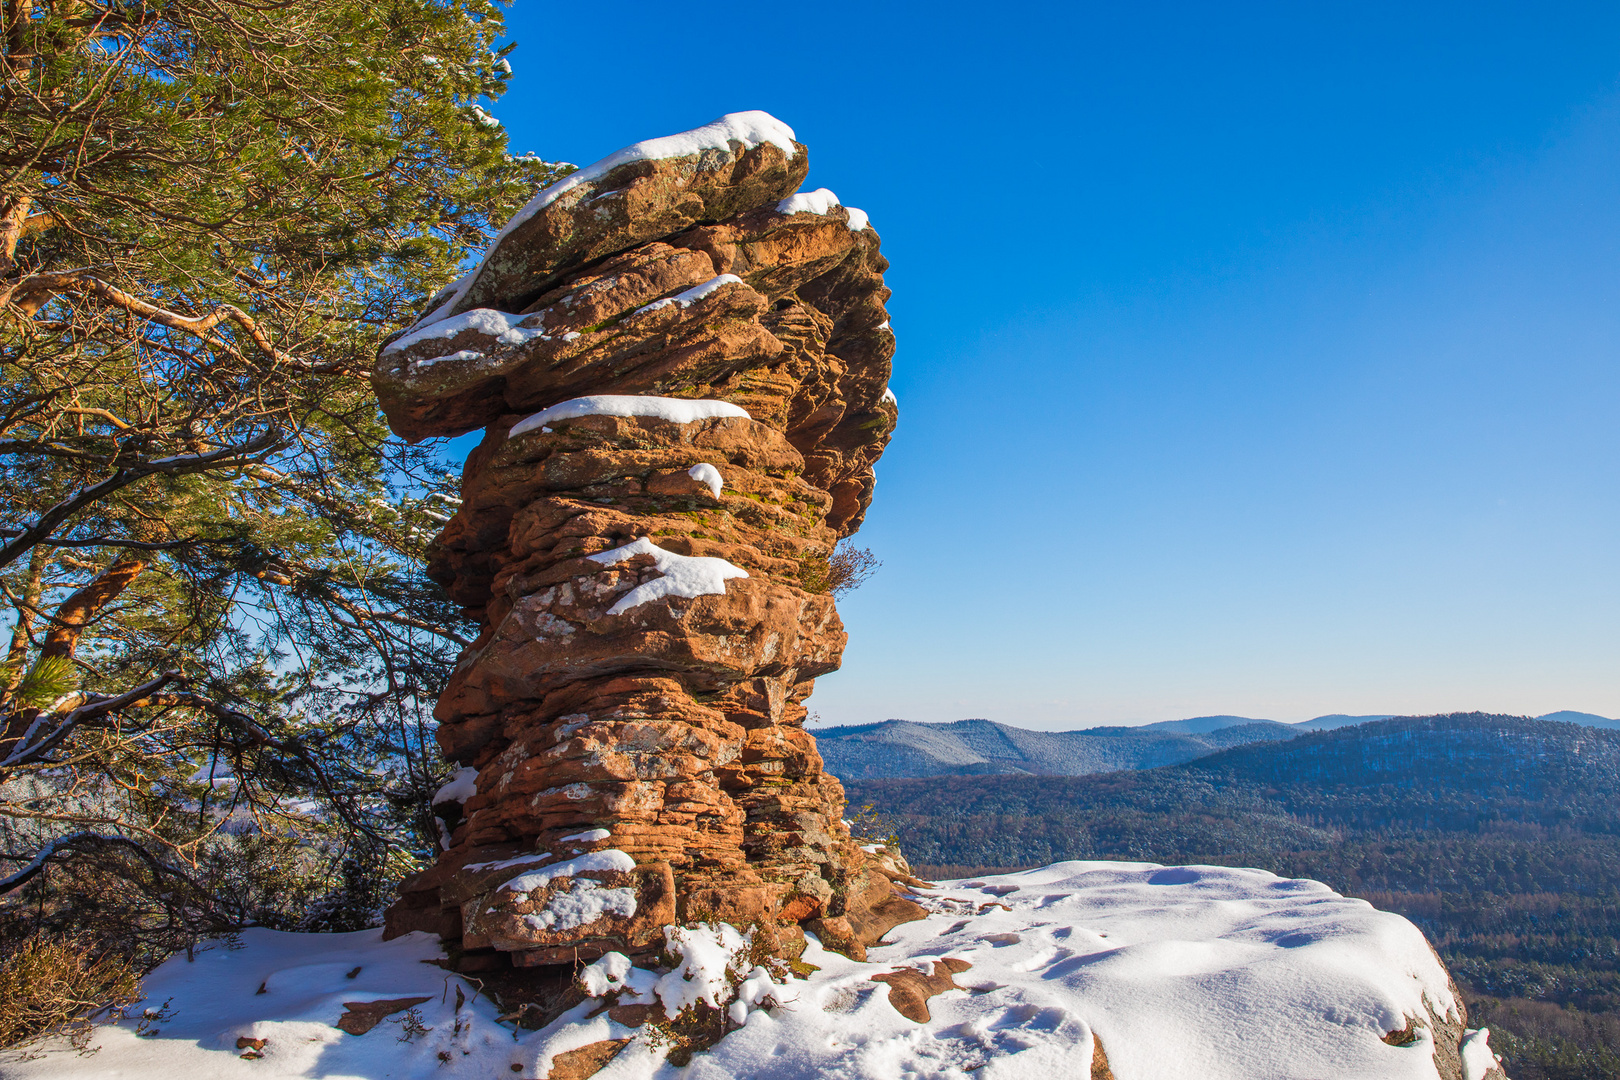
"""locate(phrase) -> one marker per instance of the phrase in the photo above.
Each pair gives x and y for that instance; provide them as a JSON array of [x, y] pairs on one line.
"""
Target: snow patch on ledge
[[688, 576], [820, 201], [463, 785], [752, 128], [496, 324], [455, 357], [1477, 1058], [692, 295], [504, 864], [582, 902], [704, 473], [680, 410], [610, 859]]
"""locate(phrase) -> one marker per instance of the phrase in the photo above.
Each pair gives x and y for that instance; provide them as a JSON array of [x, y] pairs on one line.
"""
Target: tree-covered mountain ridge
[[902, 748], [1486, 766], [1458, 773]]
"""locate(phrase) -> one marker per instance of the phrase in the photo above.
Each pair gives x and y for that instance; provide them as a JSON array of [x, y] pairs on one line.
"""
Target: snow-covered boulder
[[645, 191]]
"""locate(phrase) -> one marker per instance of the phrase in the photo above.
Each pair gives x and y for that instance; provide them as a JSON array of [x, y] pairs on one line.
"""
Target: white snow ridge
[[680, 410], [704, 473], [683, 575], [463, 785], [747, 129], [1179, 973], [692, 295], [820, 201]]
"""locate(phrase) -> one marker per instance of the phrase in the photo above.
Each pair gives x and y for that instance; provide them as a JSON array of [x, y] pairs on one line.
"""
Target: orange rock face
[[647, 573]]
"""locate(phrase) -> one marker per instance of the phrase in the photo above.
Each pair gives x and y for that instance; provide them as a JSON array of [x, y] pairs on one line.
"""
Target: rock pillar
[[682, 368]]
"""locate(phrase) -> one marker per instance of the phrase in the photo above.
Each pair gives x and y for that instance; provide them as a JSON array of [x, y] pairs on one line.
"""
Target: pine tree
[[211, 212]]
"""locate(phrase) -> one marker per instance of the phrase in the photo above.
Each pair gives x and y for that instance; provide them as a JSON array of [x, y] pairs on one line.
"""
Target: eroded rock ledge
[[682, 369]]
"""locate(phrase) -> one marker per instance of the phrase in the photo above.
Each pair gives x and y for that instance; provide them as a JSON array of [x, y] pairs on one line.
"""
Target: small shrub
[[699, 1025], [697, 1028], [54, 985], [145, 908], [357, 903], [847, 568], [870, 825], [411, 1025]]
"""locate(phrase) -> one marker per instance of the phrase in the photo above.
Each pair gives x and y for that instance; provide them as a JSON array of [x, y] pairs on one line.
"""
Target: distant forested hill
[[899, 748], [1499, 836], [980, 747]]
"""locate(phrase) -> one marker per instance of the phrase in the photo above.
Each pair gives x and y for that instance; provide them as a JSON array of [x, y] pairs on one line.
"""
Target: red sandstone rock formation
[[649, 573]]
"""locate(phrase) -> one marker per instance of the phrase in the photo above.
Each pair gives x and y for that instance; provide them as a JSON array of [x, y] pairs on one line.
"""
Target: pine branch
[[33, 746], [223, 458], [74, 843]]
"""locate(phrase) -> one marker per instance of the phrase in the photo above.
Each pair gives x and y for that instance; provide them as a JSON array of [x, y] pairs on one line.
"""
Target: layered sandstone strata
[[682, 370]]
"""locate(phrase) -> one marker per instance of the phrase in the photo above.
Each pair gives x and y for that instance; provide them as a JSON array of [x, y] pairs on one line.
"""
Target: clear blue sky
[[1252, 359]]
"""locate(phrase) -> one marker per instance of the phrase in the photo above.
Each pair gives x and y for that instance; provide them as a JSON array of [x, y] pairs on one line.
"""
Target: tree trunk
[[79, 609], [68, 625]]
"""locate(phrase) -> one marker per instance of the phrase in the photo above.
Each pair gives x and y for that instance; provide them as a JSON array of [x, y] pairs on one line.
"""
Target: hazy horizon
[[823, 725]]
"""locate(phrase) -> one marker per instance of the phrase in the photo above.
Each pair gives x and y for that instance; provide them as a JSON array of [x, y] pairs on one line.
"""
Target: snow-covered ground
[[1200, 973]]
